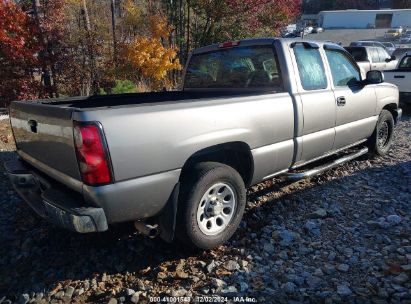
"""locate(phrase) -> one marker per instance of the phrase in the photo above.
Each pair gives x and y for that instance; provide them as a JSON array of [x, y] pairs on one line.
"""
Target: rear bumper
[[57, 205]]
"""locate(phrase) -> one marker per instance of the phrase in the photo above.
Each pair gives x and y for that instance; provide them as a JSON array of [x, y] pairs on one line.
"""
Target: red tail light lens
[[229, 44], [92, 155]]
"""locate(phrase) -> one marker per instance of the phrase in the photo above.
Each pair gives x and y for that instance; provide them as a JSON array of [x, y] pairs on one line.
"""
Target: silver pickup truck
[[178, 163]]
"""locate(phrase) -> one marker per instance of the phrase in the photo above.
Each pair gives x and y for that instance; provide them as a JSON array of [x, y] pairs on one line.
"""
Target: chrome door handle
[[33, 125], [341, 101]]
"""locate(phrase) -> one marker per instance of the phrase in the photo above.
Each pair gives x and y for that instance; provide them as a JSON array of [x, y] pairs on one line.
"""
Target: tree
[[89, 44], [90, 47], [49, 19], [216, 21], [113, 28], [18, 48], [263, 17], [76, 47], [315, 6], [150, 57]]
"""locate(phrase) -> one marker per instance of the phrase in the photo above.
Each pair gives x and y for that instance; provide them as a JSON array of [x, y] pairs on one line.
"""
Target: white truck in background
[[401, 77]]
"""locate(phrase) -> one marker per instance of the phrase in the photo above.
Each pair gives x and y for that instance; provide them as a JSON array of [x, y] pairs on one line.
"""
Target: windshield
[[238, 67], [365, 43]]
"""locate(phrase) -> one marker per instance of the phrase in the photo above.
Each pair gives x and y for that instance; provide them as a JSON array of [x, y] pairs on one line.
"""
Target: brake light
[[92, 154], [229, 44]]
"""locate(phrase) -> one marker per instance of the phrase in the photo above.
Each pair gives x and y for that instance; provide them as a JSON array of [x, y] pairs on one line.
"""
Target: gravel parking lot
[[343, 236]]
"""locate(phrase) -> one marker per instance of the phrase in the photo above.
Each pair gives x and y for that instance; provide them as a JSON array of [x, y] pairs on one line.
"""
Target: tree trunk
[[113, 26], [90, 45], [188, 28], [43, 54], [180, 30]]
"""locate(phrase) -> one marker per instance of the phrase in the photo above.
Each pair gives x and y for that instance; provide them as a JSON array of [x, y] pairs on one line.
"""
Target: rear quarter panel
[[149, 139]]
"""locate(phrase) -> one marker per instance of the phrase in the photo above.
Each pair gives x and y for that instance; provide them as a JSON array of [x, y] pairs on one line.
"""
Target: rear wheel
[[211, 206], [381, 140]]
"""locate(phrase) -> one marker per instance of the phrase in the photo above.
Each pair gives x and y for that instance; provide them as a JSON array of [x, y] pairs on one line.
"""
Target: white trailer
[[360, 19]]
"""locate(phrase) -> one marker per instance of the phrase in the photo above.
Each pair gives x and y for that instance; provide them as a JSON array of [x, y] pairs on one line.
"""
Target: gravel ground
[[343, 236]]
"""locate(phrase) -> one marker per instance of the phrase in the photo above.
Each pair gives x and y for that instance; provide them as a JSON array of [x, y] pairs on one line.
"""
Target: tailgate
[[45, 133], [402, 79]]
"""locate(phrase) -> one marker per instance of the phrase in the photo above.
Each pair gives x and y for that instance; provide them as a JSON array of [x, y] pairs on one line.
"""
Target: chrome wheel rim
[[383, 134], [216, 208]]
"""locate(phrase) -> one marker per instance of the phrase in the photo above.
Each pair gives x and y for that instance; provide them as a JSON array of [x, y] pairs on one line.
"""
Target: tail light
[[92, 153], [229, 44]]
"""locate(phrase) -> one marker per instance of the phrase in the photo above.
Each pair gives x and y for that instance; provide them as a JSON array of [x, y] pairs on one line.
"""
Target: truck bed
[[101, 101]]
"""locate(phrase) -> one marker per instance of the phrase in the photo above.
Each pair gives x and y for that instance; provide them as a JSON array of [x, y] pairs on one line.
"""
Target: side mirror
[[375, 77], [390, 59]]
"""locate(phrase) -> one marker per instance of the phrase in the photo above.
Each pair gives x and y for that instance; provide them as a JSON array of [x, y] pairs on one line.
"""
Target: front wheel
[[381, 140], [212, 204]]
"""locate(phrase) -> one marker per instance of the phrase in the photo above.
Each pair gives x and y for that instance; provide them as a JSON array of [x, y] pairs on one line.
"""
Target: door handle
[[341, 101], [399, 76], [33, 125]]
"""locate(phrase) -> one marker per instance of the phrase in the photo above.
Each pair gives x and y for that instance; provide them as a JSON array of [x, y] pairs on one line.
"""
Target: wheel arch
[[234, 154], [392, 108]]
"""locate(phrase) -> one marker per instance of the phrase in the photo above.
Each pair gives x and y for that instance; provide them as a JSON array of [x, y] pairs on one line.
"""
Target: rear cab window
[[310, 67], [359, 53], [247, 67]]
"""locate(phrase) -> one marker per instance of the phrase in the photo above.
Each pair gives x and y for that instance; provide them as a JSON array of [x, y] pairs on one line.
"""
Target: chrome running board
[[321, 169]]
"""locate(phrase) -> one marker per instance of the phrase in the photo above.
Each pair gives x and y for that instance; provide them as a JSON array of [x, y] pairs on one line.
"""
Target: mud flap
[[167, 218]]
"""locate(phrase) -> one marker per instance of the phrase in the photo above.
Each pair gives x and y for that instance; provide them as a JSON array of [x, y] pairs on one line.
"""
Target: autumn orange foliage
[[150, 56]]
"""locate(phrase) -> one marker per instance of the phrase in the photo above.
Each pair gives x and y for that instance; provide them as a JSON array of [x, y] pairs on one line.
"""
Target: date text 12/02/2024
[[202, 299]]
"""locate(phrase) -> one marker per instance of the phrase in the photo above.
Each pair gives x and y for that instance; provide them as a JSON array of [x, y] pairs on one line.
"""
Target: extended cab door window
[[405, 63], [383, 54], [343, 71], [310, 67], [374, 55]]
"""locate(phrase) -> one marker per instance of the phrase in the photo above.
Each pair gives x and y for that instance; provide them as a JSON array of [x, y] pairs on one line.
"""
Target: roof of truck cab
[[264, 41]]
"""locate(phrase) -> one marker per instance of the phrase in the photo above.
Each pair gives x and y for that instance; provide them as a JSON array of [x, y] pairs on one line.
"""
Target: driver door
[[355, 103]]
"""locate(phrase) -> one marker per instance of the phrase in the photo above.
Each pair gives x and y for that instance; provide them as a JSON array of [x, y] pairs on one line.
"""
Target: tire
[[211, 205], [381, 140]]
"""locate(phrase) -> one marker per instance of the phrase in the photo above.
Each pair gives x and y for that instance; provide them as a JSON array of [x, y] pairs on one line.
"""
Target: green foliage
[[124, 86], [121, 87]]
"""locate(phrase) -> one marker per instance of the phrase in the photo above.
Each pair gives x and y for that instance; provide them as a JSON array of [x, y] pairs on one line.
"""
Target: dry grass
[[6, 137]]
